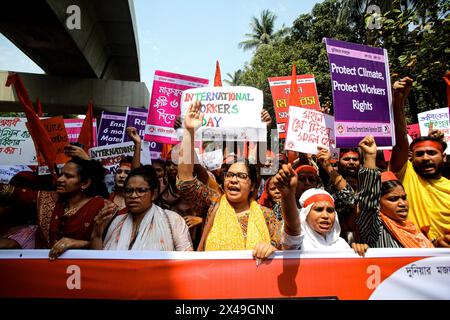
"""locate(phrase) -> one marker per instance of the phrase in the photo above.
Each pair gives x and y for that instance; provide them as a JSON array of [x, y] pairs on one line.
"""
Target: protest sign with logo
[[73, 129], [361, 89], [440, 120], [309, 129], [280, 87], [111, 128], [16, 145], [165, 104], [137, 118], [231, 113]]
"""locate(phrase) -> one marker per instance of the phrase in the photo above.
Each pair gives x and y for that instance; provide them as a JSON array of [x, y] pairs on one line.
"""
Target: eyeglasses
[[139, 191], [240, 175]]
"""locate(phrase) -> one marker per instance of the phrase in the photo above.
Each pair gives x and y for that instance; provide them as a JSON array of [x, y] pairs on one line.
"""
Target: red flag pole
[[86, 137], [217, 76], [39, 134]]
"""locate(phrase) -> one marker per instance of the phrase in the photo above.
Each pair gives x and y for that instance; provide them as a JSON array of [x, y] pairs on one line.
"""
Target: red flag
[[86, 138], [39, 134], [39, 107], [294, 96], [447, 80], [217, 76]]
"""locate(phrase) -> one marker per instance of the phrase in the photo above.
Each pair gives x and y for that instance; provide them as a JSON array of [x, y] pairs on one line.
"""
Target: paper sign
[[7, 172], [165, 104], [112, 126], [233, 113], [361, 93], [440, 120], [16, 145], [309, 129], [135, 117], [280, 88]]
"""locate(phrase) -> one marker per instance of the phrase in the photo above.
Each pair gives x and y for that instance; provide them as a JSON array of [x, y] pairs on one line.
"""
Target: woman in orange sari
[[65, 217]]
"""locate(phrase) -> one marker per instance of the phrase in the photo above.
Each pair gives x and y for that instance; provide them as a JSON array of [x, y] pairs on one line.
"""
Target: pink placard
[[73, 128], [165, 104]]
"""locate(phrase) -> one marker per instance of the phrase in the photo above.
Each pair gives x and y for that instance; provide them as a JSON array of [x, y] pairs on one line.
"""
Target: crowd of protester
[[357, 201]]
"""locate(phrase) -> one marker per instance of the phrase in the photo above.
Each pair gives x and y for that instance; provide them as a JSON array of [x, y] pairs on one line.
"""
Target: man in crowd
[[427, 190]]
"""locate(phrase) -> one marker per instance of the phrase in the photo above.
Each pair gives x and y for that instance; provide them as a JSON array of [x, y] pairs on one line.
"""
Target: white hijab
[[312, 239], [154, 232]]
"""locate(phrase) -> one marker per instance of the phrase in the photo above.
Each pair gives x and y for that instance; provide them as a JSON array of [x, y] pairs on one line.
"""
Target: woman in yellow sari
[[234, 220]]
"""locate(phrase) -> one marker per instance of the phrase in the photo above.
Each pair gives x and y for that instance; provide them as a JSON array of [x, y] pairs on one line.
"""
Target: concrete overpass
[[98, 61]]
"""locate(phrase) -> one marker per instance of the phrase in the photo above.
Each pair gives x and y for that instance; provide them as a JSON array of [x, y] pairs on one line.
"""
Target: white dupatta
[[312, 239], [154, 232]]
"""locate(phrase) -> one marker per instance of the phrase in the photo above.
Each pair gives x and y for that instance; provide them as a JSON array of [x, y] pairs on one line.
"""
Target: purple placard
[[112, 125], [135, 117], [361, 87], [156, 150]]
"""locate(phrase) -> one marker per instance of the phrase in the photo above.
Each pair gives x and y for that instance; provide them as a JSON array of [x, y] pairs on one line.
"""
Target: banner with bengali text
[[440, 120], [149, 275], [309, 129], [280, 88], [16, 145], [165, 104]]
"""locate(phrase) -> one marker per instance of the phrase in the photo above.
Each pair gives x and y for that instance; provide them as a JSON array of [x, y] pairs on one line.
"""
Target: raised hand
[[194, 118], [133, 134], [324, 157], [286, 180], [266, 118], [75, 151], [368, 145], [402, 88], [435, 133]]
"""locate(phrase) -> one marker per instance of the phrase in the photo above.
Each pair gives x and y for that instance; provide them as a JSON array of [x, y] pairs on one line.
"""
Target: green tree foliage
[[234, 79], [262, 31], [418, 42], [416, 35]]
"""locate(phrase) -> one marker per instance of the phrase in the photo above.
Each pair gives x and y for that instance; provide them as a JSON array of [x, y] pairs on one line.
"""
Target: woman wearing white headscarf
[[317, 225], [319, 222]]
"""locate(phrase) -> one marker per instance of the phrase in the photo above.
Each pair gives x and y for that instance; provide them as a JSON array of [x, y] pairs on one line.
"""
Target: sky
[[186, 37]]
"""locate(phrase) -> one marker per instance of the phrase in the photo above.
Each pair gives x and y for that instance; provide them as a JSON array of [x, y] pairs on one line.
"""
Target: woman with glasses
[[234, 220], [145, 226]]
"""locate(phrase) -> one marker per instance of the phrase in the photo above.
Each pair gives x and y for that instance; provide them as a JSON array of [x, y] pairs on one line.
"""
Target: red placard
[[280, 86]]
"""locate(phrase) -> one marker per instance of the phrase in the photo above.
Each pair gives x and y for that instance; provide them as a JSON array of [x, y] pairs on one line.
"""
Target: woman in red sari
[[65, 217]]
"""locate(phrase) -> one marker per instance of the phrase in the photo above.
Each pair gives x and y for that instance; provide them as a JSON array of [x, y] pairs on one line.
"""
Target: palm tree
[[262, 31], [234, 79]]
